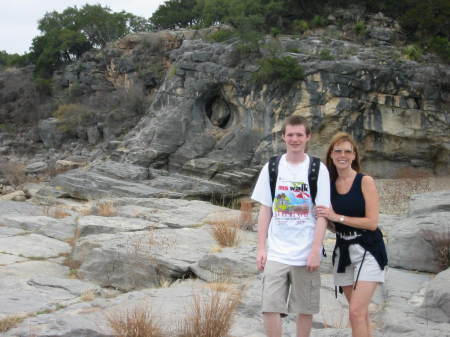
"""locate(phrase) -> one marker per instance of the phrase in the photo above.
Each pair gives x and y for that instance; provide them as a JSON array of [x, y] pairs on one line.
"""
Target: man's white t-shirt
[[291, 229]]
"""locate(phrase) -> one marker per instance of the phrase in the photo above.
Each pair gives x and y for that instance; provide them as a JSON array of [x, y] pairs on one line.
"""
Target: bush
[[72, 116], [220, 35], [13, 172], [318, 21], [360, 28], [325, 55], [275, 31], [301, 26], [281, 70], [413, 52], [441, 46]]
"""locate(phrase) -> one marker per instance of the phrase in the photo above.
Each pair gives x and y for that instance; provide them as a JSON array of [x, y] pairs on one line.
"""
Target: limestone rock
[[414, 243], [436, 305]]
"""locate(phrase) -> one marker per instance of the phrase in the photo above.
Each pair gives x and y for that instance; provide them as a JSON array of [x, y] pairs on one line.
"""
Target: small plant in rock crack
[[10, 322], [105, 208], [138, 322], [211, 315], [226, 233]]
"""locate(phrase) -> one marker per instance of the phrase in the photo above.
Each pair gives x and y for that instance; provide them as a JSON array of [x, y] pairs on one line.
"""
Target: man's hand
[[313, 261], [261, 258]]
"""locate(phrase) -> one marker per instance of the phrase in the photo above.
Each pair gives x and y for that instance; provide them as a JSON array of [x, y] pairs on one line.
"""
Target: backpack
[[313, 174]]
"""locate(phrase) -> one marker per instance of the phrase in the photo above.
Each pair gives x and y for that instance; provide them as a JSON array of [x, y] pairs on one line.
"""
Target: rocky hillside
[[176, 103]]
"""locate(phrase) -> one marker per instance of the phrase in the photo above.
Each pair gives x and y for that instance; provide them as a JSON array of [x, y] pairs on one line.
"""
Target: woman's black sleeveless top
[[352, 204]]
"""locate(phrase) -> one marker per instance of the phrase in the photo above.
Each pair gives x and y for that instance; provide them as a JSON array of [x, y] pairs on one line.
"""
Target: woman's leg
[[359, 308]]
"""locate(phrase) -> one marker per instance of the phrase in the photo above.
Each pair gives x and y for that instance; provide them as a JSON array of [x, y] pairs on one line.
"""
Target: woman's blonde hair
[[337, 139]]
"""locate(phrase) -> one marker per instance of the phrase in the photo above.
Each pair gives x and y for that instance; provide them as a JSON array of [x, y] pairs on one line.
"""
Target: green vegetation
[[66, 36], [221, 35], [284, 71], [441, 45], [325, 55], [360, 28], [300, 26], [413, 52], [72, 116]]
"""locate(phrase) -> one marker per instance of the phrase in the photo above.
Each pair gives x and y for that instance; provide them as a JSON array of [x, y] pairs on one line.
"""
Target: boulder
[[426, 203], [416, 242], [436, 305], [36, 167]]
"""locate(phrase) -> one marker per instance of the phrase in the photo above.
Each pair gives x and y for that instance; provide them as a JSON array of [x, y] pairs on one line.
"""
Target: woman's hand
[[326, 212]]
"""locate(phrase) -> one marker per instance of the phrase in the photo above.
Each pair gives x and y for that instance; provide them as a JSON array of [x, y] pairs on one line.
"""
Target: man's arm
[[265, 215], [313, 261]]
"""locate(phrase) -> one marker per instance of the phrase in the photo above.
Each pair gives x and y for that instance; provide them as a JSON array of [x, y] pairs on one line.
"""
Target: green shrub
[[360, 28], [441, 46], [275, 31], [281, 70], [220, 35], [72, 116], [301, 26], [318, 21], [43, 85], [325, 55], [413, 52]]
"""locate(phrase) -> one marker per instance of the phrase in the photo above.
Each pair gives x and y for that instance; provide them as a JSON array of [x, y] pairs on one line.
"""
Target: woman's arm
[[370, 221]]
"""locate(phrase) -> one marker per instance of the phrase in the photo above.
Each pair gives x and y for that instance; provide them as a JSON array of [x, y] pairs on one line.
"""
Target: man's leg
[[272, 324], [304, 324]]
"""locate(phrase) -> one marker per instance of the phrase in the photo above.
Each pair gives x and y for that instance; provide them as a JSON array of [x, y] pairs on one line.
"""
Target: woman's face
[[343, 155]]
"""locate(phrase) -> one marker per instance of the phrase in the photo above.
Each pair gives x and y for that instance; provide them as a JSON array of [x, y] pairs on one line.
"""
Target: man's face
[[295, 138]]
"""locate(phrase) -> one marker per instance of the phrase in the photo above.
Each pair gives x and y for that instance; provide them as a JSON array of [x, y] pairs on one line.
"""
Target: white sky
[[19, 18]]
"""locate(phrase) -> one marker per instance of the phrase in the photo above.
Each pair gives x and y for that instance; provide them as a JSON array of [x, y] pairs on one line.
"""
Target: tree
[[67, 35], [175, 14]]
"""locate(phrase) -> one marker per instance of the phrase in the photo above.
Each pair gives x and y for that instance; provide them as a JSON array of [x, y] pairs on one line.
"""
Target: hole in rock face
[[219, 111]]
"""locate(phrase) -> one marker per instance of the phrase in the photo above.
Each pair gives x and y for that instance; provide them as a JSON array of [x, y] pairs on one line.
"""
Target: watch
[[341, 219]]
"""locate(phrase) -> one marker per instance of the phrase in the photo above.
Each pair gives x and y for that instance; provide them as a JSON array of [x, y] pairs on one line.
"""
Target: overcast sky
[[18, 18]]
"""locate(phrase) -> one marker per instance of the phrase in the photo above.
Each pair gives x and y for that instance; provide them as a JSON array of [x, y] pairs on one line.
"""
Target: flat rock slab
[[19, 208], [60, 229], [29, 269], [10, 259], [33, 246], [427, 203], [19, 297], [89, 225]]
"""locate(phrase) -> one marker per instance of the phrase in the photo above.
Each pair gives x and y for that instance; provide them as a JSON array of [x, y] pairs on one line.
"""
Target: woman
[[359, 256]]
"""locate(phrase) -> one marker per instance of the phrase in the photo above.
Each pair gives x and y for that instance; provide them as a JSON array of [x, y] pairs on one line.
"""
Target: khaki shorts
[[290, 289], [370, 270]]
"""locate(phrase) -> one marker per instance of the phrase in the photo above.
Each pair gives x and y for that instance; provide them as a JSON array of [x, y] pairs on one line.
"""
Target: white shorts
[[370, 269]]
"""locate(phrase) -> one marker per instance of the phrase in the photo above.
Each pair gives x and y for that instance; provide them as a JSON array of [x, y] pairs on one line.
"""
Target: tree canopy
[[67, 35]]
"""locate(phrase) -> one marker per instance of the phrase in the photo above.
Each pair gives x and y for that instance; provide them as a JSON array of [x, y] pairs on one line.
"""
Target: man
[[289, 235]]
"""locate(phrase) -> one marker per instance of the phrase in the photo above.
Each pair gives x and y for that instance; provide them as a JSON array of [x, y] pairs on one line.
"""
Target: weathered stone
[[415, 242], [36, 167], [14, 196], [90, 225], [33, 246], [436, 305], [427, 203]]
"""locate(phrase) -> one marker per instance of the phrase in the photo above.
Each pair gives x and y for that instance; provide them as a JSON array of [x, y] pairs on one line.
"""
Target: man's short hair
[[296, 120]]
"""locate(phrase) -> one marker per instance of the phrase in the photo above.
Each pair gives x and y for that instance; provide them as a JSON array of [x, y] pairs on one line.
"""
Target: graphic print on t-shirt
[[292, 200]]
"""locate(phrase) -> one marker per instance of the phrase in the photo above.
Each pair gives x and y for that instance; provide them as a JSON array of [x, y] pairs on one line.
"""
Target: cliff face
[[171, 100]]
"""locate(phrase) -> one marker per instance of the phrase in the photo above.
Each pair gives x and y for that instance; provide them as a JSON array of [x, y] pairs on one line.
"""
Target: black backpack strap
[[313, 176], [273, 173]]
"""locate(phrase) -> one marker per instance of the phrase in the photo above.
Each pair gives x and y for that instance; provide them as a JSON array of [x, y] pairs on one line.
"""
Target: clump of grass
[[88, 295], [210, 315], [226, 234], [138, 322], [360, 28], [55, 212], [13, 172], [105, 208], [10, 322], [301, 26], [326, 55]]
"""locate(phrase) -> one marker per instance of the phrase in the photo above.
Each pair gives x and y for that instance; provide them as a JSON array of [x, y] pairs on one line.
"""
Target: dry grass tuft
[[105, 208], [137, 323], [10, 322], [88, 295], [210, 315], [13, 172], [226, 234], [55, 212]]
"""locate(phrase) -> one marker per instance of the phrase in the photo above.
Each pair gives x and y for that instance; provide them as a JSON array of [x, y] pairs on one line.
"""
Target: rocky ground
[[68, 264]]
